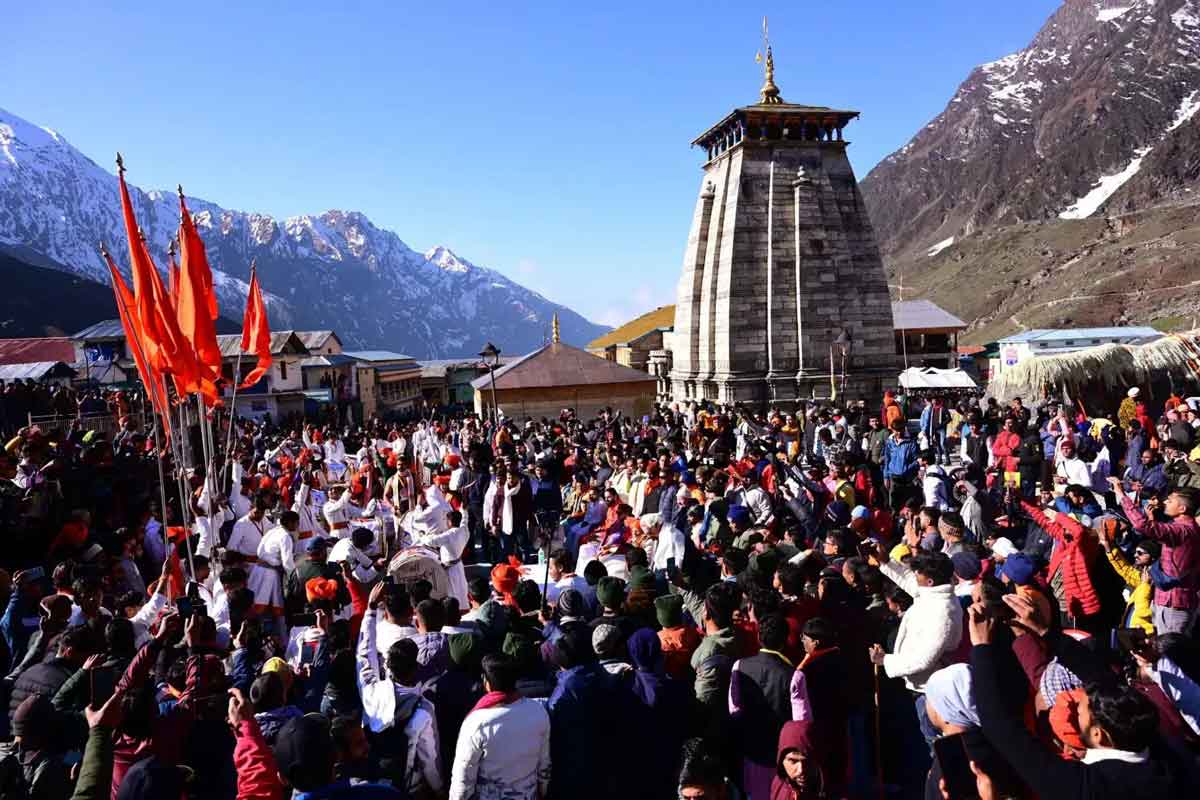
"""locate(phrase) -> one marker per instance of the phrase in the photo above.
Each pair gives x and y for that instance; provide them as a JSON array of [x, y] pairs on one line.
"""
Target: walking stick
[[878, 738]]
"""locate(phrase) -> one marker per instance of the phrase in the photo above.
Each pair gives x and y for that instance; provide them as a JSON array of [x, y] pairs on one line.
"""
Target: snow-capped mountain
[[332, 270], [1097, 116]]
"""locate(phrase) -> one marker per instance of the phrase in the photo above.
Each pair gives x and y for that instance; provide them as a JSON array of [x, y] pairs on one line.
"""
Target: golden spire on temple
[[768, 95], [554, 337]]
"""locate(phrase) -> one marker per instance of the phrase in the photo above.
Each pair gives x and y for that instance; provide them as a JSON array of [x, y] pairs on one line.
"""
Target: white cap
[[1003, 547], [1134, 392]]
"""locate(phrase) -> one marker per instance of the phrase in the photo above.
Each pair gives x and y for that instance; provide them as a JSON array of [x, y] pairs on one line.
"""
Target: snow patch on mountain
[[939, 247], [1109, 14]]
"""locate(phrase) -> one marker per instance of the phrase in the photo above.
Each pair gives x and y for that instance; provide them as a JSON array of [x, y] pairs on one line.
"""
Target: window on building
[[1069, 342], [283, 370], [1095, 341], [1041, 344]]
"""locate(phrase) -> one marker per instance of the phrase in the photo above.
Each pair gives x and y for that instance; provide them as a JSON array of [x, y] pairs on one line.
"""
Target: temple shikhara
[[782, 295]]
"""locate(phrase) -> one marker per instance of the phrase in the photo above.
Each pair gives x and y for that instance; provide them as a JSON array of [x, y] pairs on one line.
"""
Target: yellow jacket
[[1137, 610]]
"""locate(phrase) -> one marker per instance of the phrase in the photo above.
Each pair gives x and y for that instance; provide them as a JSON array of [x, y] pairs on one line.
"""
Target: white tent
[[934, 378]]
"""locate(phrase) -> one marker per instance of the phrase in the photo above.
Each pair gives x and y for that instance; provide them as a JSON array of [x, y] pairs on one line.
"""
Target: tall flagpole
[[237, 375], [158, 454]]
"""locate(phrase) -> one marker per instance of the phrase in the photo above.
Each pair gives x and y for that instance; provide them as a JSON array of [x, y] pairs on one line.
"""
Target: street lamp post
[[842, 342], [491, 356]]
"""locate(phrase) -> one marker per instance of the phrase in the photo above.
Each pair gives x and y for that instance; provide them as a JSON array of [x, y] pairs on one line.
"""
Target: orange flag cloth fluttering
[[256, 332]]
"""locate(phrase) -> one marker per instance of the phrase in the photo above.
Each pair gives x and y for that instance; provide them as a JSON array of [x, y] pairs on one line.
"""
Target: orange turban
[[176, 533], [320, 589], [1064, 718], [505, 578]]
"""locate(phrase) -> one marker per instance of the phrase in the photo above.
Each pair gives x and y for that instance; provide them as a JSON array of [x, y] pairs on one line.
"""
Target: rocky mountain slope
[[1012, 184], [332, 270]]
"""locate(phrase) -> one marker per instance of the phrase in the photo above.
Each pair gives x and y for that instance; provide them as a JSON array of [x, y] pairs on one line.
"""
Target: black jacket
[[1041, 769], [45, 679]]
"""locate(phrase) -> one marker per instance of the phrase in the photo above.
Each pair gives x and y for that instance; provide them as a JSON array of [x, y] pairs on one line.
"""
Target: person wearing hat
[[678, 640], [1127, 411], [1018, 571], [967, 569], [1139, 590], [312, 565], [30, 763]]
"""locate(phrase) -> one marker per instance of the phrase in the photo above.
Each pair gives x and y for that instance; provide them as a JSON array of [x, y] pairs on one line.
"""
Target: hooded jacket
[[797, 736]]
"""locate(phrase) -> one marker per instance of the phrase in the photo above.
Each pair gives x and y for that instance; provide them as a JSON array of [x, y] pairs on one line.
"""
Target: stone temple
[[783, 295]]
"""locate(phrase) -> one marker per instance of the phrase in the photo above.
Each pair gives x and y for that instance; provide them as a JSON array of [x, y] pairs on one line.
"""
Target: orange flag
[[166, 348], [133, 335], [256, 333], [195, 301]]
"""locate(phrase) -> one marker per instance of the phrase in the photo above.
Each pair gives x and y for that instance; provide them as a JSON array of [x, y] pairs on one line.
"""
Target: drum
[[420, 563]]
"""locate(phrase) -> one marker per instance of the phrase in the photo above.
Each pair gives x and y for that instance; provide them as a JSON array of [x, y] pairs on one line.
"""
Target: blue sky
[[546, 140]]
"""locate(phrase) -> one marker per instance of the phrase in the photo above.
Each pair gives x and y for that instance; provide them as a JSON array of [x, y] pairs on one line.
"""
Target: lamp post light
[[843, 344], [491, 356]]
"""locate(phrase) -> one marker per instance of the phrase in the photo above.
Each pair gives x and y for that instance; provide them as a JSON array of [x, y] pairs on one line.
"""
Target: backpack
[[389, 747]]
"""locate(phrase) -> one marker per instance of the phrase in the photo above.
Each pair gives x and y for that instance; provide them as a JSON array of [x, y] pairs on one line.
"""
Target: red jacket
[[1004, 448], [258, 779], [1076, 548]]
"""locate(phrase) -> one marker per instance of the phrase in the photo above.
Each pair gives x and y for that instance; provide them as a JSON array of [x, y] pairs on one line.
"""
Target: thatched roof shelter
[[1103, 370]]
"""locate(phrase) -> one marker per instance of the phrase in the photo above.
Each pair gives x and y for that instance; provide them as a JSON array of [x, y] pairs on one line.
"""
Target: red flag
[[166, 348], [256, 333], [195, 300], [134, 336]]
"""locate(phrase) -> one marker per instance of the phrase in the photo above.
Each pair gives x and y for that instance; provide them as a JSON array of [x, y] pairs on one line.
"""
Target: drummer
[[357, 550], [338, 511], [450, 545]]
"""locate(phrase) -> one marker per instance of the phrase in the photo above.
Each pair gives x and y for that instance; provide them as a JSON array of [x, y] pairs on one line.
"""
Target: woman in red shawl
[[797, 776]]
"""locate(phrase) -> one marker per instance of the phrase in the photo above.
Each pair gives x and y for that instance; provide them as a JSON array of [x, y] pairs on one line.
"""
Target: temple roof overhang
[[777, 114]]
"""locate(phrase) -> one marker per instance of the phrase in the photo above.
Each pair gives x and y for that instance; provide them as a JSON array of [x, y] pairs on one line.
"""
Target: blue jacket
[[589, 714], [899, 458], [931, 425]]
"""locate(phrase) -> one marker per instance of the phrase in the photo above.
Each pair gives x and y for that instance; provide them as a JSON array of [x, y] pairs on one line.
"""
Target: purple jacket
[[1180, 554]]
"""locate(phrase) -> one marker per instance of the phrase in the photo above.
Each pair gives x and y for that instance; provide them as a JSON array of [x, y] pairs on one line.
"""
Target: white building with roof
[[1012, 350]]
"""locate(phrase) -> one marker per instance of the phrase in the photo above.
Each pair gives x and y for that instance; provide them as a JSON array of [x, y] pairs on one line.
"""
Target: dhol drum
[[420, 563]]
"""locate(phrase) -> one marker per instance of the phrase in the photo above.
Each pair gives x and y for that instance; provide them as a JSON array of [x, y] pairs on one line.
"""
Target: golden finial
[[554, 337], [120, 164], [103, 250], [171, 249], [768, 95]]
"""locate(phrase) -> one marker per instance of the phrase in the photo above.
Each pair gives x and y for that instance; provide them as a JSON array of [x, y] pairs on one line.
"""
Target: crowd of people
[[922, 598]]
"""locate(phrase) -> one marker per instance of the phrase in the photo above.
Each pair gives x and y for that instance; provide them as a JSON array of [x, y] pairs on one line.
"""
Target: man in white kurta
[[339, 510], [247, 534], [309, 514], [276, 558], [430, 514], [451, 544]]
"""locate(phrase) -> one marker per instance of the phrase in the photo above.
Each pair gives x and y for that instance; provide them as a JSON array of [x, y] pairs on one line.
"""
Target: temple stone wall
[[764, 205]]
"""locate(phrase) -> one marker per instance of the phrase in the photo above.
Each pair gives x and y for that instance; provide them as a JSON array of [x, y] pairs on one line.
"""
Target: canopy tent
[[915, 378], [1105, 369]]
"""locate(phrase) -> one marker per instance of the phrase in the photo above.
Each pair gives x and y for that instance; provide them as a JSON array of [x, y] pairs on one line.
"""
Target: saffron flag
[[256, 333], [195, 300], [133, 335], [166, 348]]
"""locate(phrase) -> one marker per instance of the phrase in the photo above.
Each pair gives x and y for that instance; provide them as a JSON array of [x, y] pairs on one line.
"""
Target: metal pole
[[162, 482], [495, 408], [237, 378]]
